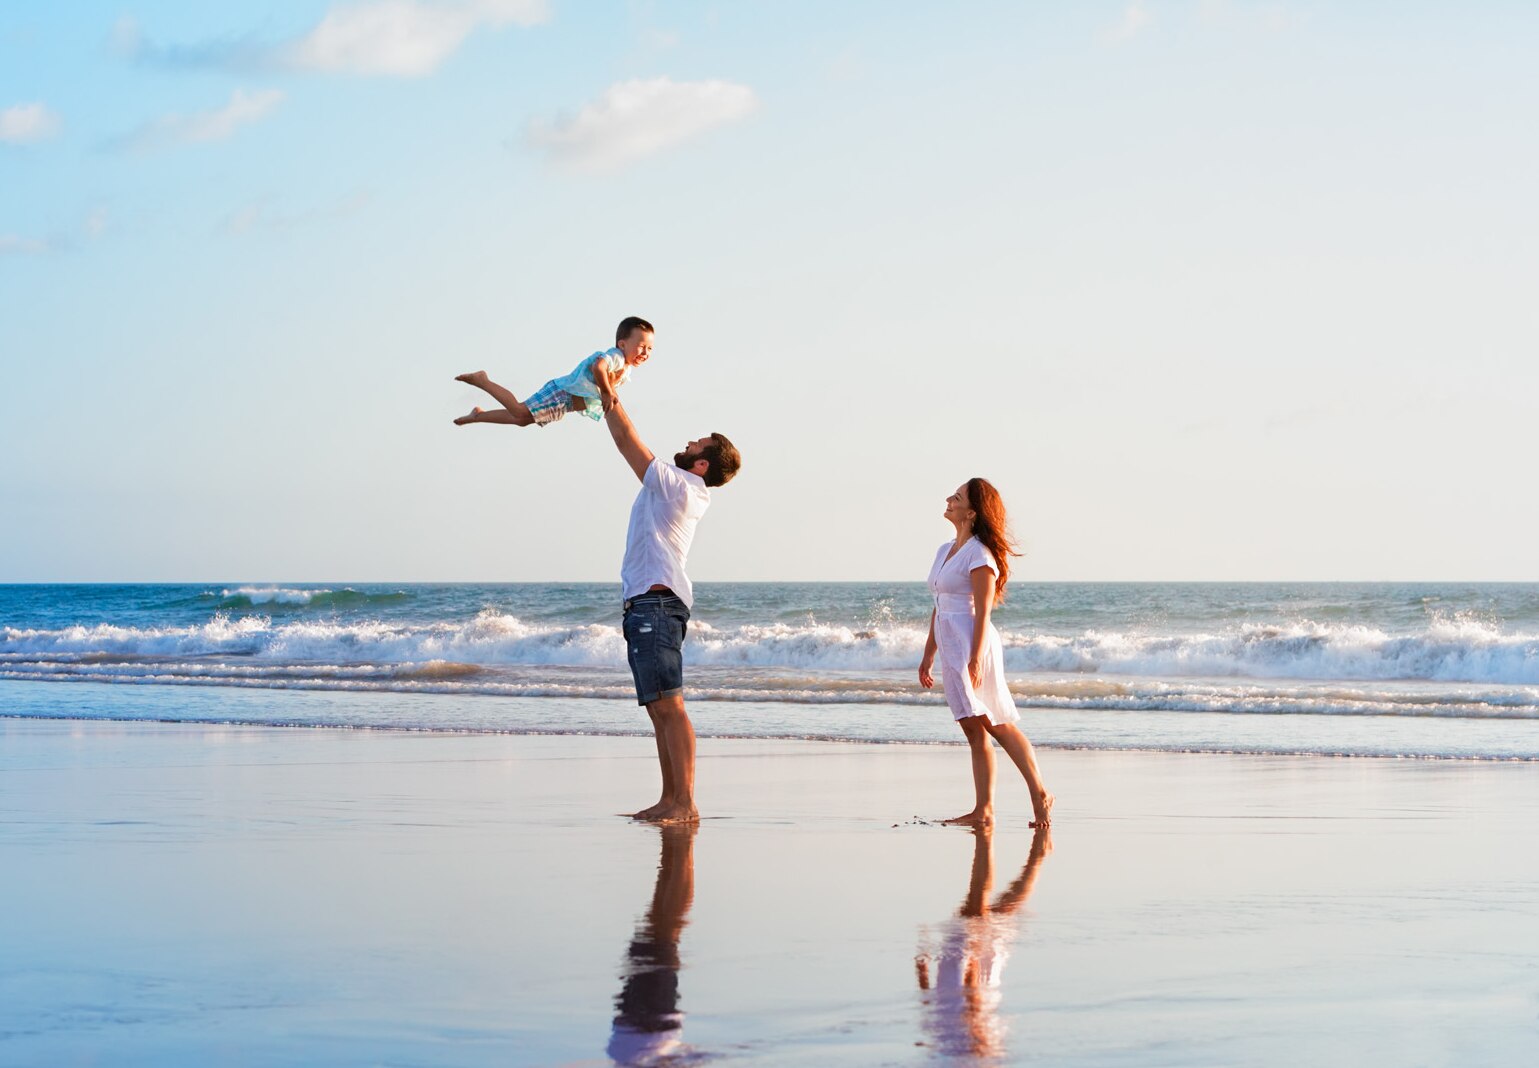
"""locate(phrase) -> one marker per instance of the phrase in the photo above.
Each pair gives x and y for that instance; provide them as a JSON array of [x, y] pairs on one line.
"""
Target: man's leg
[[666, 764], [676, 756]]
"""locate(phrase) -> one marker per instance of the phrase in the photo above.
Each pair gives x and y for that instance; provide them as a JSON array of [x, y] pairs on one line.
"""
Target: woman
[[968, 576]]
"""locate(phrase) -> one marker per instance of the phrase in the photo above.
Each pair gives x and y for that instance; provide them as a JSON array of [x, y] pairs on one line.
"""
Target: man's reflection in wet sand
[[649, 1028], [960, 964]]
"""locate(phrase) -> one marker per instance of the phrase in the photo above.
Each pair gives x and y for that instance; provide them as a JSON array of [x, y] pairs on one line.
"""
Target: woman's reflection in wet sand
[[649, 1028], [960, 963]]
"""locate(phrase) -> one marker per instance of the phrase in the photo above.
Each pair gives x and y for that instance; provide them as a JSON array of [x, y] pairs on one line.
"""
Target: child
[[589, 389]]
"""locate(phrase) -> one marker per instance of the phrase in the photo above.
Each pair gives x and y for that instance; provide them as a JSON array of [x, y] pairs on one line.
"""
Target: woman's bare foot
[[472, 378], [975, 818], [1044, 812], [473, 417]]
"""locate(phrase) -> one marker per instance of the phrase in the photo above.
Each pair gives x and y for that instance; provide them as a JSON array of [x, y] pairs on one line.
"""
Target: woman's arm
[[925, 678], [983, 605]]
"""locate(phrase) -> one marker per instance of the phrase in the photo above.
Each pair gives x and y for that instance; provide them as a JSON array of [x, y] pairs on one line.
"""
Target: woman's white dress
[[951, 583]]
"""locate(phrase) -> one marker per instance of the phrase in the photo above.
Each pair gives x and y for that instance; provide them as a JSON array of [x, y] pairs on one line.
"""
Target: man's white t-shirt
[[663, 521]]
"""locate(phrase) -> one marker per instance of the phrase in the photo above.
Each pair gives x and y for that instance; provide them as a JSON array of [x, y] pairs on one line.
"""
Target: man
[[658, 595]]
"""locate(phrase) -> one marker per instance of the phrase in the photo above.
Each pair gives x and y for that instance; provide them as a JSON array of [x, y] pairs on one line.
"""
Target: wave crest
[[1456, 650]]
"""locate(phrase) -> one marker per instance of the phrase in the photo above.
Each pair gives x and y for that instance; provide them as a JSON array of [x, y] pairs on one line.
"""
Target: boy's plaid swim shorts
[[547, 404]]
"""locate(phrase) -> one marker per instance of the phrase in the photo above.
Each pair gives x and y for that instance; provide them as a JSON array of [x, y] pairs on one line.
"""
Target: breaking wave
[[285, 597], [1449, 651]]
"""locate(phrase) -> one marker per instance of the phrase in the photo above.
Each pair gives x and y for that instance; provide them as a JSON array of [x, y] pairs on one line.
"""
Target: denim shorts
[[655, 624]]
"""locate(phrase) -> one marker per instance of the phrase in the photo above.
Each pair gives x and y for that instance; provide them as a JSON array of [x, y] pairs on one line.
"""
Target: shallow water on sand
[[181, 894]]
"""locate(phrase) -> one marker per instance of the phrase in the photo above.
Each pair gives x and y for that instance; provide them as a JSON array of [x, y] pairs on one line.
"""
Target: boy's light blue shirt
[[580, 383]]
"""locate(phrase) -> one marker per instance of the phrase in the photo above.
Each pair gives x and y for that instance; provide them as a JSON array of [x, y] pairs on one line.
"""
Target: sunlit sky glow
[[1211, 290]]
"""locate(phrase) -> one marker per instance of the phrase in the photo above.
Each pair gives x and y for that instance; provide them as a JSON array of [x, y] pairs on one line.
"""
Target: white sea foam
[[1448, 650]]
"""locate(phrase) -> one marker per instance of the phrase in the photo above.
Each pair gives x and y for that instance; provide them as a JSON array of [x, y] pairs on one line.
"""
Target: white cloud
[[25, 123], [10, 245], [637, 118], [1135, 18], [405, 38], [215, 125], [96, 222]]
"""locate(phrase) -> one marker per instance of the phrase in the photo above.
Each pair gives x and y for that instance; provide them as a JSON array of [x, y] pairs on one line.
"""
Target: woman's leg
[[982, 814], [1018, 747]]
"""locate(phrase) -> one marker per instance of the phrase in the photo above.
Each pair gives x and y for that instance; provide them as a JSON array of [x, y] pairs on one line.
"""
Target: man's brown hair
[[723, 459]]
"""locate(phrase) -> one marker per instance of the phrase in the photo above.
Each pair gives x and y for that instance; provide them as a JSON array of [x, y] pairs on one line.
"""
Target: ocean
[[1352, 669]]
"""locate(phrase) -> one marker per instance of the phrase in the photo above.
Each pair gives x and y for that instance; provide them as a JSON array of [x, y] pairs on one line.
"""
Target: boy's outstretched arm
[[599, 368], [620, 428]]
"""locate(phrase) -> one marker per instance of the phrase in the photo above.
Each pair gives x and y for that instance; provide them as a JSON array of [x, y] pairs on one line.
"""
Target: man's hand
[[925, 678], [608, 399]]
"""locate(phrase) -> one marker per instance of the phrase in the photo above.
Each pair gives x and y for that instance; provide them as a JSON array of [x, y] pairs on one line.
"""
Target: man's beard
[[686, 460]]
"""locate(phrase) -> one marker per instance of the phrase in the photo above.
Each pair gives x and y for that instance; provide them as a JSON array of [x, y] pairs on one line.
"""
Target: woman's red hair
[[991, 527]]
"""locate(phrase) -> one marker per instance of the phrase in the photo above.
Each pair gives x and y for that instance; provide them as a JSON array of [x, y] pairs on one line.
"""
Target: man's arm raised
[[620, 428]]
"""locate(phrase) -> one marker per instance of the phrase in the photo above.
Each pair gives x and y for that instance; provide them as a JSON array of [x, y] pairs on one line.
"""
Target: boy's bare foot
[[972, 819], [1044, 812], [473, 417], [472, 378]]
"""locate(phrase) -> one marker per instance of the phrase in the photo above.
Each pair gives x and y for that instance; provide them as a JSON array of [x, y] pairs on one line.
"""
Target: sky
[[1210, 290]]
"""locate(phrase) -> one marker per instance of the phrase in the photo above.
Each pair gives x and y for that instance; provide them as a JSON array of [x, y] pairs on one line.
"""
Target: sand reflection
[[961, 962], [649, 1027]]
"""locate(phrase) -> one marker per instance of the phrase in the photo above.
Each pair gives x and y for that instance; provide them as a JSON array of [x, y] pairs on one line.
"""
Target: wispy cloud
[[23, 124], [216, 125], [635, 119], [261, 215], [1135, 18], [397, 38], [247, 53], [1267, 17], [658, 40], [12, 245], [96, 222]]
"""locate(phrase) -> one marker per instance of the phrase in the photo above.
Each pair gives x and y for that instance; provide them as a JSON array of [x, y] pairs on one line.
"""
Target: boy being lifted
[[589, 389]]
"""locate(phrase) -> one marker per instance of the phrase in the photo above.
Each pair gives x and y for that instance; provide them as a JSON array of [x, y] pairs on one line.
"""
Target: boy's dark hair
[[629, 323], [723, 459]]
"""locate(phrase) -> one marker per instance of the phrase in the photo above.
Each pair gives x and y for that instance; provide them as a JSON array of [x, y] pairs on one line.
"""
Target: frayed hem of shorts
[[644, 701]]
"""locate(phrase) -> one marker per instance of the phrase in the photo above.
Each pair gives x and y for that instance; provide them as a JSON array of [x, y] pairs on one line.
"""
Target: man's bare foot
[[473, 417], [974, 818], [1044, 812], [648, 812], [674, 813], [472, 378]]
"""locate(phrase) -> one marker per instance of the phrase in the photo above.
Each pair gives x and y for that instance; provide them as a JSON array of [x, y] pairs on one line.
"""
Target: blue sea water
[[1372, 669]]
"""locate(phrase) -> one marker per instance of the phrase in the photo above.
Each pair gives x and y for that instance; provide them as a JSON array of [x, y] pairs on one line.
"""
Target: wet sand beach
[[179, 894]]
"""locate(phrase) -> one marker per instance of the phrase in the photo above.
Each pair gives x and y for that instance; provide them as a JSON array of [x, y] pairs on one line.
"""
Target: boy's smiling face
[[636, 347]]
